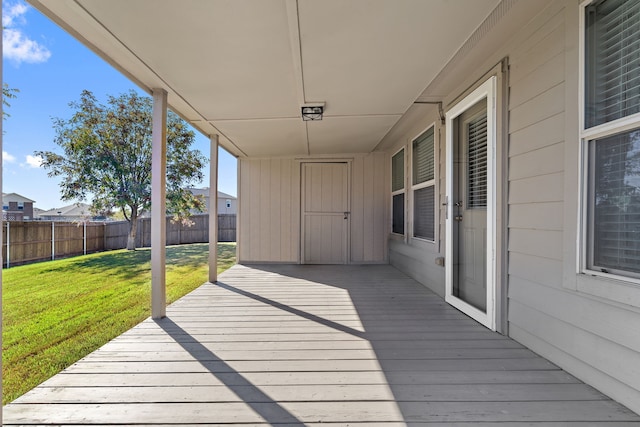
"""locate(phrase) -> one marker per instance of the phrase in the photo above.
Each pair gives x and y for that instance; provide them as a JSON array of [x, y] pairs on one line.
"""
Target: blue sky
[[50, 69]]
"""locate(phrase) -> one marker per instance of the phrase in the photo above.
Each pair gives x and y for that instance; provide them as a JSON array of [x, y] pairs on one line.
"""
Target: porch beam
[[213, 210], [158, 204]]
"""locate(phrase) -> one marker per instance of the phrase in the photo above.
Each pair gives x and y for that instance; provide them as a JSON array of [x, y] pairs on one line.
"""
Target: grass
[[56, 312]]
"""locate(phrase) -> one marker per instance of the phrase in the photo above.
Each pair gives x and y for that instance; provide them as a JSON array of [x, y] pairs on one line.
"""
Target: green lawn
[[56, 312]]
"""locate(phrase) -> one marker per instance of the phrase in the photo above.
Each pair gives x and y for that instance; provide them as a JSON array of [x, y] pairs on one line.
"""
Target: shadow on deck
[[304, 345]]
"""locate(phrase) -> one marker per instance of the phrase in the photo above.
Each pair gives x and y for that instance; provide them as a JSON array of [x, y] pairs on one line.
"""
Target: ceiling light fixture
[[312, 112]]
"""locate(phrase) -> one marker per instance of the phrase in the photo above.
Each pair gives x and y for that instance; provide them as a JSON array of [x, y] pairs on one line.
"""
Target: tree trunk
[[133, 230]]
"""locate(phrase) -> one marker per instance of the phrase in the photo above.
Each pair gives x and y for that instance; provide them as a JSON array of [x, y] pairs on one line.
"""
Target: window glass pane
[[477, 163], [397, 225], [397, 171], [423, 165], [612, 60], [614, 212], [423, 213]]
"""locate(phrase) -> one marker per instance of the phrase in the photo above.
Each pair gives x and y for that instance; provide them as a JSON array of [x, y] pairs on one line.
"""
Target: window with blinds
[[423, 167], [611, 93], [612, 74], [615, 203], [424, 213], [397, 192], [423, 185], [477, 163], [397, 171]]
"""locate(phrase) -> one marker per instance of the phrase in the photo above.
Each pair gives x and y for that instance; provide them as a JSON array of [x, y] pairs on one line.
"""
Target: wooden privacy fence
[[30, 241]]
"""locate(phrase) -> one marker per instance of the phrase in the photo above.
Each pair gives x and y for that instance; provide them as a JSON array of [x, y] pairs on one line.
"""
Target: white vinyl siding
[[397, 193], [611, 136], [270, 209], [423, 185]]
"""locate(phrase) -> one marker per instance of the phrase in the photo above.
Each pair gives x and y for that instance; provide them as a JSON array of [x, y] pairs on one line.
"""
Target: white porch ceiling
[[243, 68]]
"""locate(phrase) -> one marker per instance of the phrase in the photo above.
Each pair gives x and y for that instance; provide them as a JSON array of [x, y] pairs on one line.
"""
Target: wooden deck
[[311, 345]]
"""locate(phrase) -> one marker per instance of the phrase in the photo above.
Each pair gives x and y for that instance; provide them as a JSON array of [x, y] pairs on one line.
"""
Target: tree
[[107, 157], [7, 93]]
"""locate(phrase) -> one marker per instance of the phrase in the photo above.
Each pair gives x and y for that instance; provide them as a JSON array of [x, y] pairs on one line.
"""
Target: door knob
[[346, 215], [458, 218]]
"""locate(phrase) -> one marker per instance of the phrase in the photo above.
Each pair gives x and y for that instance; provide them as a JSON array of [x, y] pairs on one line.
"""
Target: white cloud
[[33, 161], [8, 158], [17, 46], [12, 13]]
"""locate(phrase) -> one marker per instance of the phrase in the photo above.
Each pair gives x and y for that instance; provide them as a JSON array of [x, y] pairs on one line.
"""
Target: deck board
[[311, 345]]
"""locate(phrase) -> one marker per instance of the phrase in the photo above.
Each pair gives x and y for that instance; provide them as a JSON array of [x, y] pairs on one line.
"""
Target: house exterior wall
[[16, 213], [583, 324], [222, 205], [269, 214]]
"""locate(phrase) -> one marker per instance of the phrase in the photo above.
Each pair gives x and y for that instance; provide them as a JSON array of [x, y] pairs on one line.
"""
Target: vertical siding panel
[[357, 208], [243, 224], [254, 211], [263, 211], [285, 212], [295, 209], [275, 253], [379, 235], [368, 224]]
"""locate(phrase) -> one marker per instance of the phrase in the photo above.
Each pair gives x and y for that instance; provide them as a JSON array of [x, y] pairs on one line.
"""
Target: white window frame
[[401, 191], [601, 131], [430, 183]]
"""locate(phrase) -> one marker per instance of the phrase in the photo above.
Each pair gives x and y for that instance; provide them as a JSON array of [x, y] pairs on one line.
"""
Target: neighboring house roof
[[205, 192], [77, 209], [15, 197]]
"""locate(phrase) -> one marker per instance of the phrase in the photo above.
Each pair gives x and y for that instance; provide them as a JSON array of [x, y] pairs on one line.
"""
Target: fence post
[[8, 245], [84, 238], [53, 240]]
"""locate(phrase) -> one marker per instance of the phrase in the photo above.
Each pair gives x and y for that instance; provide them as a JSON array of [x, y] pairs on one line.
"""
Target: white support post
[[213, 211], [53, 240], [1, 228], [8, 244], [158, 204]]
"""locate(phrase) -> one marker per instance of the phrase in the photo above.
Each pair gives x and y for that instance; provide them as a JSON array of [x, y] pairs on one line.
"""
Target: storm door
[[470, 240]]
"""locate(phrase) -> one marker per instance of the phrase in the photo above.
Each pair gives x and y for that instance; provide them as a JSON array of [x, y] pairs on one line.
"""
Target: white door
[[325, 213], [470, 260], [470, 207]]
